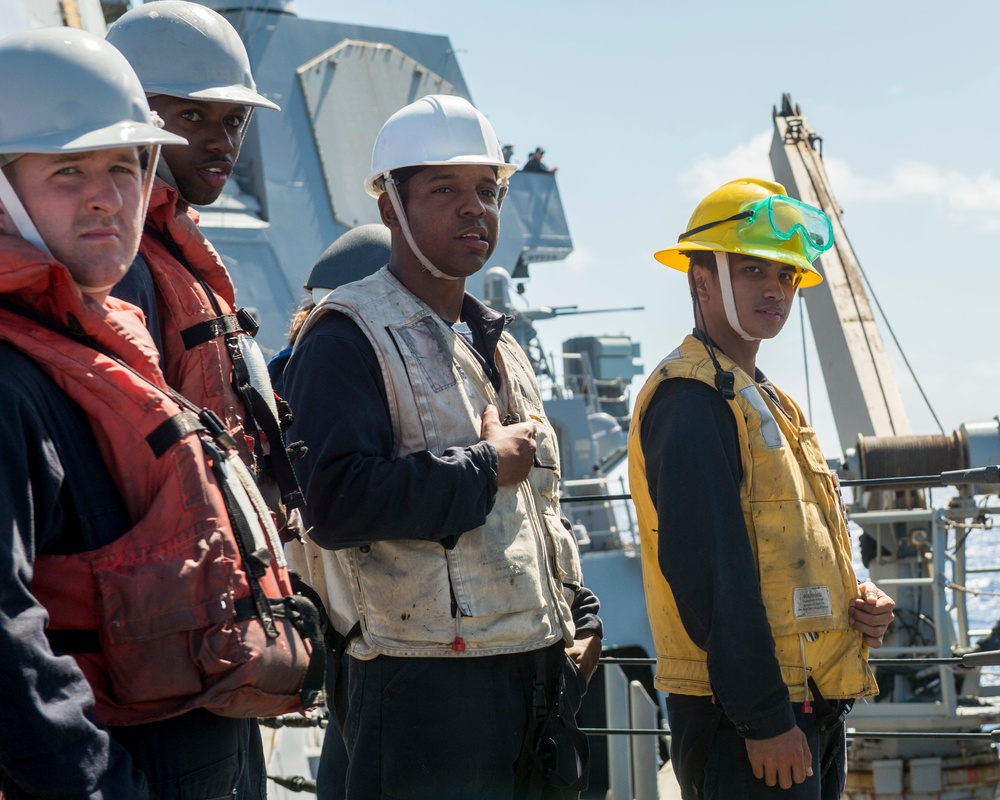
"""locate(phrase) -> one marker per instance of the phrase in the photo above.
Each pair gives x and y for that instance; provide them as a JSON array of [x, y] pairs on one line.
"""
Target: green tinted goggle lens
[[778, 218]]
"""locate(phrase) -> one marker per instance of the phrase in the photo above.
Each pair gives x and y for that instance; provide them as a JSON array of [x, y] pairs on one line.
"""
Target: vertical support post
[[944, 634], [619, 747], [645, 758]]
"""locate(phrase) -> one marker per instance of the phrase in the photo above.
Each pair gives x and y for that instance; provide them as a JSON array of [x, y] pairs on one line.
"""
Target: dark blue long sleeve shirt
[[356, 490], [693, 469], [49, 746]]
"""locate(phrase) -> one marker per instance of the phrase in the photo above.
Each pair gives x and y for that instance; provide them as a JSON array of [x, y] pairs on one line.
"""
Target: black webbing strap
[[555, 753], [278, 460], [168, 433], [202, 332]]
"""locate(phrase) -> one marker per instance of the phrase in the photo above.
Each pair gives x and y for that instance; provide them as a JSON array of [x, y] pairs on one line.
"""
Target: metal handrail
[[958, 477]]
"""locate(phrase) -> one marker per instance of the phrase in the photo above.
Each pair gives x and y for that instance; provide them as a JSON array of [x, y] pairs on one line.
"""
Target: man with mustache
[[761, 629], [196, 74], [432, 481]]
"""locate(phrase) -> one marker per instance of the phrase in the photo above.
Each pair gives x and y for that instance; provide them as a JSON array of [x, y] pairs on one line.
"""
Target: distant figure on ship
[[535, 163]]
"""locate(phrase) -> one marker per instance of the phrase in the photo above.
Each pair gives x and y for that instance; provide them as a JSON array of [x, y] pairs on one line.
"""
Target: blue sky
[[646, 107]]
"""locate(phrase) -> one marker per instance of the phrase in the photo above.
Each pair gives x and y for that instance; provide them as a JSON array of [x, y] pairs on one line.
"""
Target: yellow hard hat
[[755, 217]]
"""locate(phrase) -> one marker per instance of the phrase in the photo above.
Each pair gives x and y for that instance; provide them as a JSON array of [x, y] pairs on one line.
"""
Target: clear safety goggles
[[776, 219]]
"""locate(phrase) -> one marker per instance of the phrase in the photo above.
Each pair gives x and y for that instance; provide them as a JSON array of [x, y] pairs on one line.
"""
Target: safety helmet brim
[[239, 95], [676, 257], [374, 183], [119, 134], [185, 49]]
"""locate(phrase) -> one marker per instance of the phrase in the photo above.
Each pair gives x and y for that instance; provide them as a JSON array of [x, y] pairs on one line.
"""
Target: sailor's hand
[[585, 653], [514, 443], [781, 760], [871, 612]]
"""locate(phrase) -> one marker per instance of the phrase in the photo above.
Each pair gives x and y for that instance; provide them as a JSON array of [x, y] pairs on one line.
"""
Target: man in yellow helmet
[[761, 628]]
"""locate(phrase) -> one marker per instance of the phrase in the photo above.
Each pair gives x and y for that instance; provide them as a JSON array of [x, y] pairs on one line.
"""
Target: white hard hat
[[183, 49], [67, 90], [436, 129]]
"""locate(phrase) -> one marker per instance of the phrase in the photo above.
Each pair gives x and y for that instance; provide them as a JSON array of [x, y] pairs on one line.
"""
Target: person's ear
[[698, 281], [387, 211]]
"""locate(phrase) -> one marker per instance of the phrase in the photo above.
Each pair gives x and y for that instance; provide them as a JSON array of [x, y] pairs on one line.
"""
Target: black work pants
[[195, 756], [442, 728], [710, 759]]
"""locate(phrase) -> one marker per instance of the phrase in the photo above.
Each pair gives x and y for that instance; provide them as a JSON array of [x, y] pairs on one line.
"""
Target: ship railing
[[632, 728], [601, 506]]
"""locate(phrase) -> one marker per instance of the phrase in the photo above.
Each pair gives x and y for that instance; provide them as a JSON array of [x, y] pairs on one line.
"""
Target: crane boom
[[863, 392]]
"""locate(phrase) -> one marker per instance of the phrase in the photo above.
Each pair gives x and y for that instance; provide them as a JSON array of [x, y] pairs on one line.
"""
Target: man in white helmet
[[760, 625], [127, 630], [432, 481], [196, 74]]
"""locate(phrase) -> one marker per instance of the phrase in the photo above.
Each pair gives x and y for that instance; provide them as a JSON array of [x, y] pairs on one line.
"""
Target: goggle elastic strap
[[728, 300], [707, 225], [397, 203], [19, 216]]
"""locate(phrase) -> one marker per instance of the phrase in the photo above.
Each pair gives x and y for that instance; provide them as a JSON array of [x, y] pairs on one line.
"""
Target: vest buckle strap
[[213, 328]]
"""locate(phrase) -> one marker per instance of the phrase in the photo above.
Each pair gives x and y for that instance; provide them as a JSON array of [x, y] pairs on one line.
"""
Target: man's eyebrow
[[451, 176], [65, 158]]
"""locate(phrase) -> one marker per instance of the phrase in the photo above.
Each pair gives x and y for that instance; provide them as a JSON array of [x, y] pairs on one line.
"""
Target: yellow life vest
[[798, 535]]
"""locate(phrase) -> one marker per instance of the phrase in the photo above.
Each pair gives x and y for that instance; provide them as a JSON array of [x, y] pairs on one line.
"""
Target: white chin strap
[[728, 300], [19, 216], [26, 228], [397, 204]]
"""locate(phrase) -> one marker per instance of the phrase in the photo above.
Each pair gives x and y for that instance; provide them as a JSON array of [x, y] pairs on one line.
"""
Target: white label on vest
[[769, 430], [811, 601]]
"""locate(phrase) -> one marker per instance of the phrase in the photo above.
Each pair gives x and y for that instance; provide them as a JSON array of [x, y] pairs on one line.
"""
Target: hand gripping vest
[[791, 505], [209, 354], [191, 607], [505, 587]]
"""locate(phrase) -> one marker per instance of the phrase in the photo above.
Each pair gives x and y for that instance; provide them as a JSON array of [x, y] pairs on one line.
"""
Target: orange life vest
[[208, 350], [192, 607], [199, 370]]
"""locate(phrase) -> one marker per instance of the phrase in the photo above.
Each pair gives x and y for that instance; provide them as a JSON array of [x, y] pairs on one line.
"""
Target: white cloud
[[744, 160], [974, 199]]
